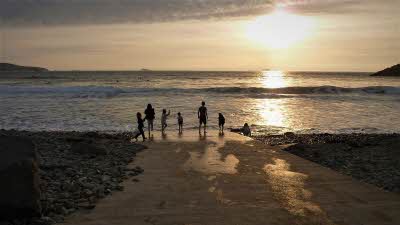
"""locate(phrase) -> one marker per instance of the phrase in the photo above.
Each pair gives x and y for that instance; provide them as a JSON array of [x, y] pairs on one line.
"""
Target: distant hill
[[393, 71], [8, 67]]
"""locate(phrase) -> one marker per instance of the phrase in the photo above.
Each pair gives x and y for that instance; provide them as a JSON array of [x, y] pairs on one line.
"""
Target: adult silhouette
[[203, 116], [150, 115]]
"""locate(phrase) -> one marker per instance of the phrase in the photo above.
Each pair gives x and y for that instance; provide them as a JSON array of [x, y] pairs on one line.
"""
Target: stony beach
[[372, 158], [75, 170]]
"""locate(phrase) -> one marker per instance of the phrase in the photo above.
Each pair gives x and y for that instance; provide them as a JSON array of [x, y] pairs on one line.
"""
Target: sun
[[280, 29]]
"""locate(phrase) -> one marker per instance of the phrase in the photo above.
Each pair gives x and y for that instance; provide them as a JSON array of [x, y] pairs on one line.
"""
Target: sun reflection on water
[[272, 113], [273, 79]]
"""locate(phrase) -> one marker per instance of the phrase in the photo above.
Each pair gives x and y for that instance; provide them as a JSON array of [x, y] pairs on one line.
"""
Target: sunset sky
[[321, 35]]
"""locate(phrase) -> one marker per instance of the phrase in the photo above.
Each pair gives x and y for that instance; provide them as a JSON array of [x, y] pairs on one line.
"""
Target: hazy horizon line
[[187, 70]]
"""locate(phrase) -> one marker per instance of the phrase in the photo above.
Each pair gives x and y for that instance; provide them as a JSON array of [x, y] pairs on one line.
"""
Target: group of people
[[150, 116]]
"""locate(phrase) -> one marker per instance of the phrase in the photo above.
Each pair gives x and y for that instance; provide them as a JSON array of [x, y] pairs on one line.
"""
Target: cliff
[[393, 71], [8, 67]]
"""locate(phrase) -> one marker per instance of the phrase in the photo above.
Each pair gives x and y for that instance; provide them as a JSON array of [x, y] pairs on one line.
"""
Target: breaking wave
[[254, 92], [74, 91], [309, 90]]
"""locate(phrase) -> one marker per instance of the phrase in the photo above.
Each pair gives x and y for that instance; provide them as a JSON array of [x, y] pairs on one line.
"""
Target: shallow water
[[273, 101]]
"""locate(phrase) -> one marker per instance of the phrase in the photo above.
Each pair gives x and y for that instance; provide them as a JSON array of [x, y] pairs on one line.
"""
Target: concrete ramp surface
[[211, 179]]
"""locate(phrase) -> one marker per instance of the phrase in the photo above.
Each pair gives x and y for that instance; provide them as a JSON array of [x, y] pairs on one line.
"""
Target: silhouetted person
[[203, 116], [180, 122], [150, 116], [140, 122], [246, 130], [221, 122], [164, 118]]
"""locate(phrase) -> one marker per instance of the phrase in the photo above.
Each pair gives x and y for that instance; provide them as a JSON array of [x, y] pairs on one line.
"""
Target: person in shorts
[[203, 116], [150, 116]]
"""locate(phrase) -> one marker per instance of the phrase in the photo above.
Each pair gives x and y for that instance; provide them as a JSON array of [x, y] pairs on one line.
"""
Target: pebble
[[72, 181], [372, 158]]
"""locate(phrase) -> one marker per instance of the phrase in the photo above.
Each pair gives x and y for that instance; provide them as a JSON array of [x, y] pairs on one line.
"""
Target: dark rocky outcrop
[[8, 67], [74, 171], [19, 189], [393, 71]]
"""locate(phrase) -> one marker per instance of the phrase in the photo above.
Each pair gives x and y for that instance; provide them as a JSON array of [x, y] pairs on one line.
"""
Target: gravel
[[372, 158], [72, 179]]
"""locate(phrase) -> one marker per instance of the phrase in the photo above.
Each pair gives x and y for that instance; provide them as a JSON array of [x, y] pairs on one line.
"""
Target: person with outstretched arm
[[140, 122]]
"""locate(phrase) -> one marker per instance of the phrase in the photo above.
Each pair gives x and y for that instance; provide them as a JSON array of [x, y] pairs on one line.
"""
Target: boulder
[[19, 189], [289, 134]]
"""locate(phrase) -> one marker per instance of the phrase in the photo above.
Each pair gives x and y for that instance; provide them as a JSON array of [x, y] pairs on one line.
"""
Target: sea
[[272, 102]]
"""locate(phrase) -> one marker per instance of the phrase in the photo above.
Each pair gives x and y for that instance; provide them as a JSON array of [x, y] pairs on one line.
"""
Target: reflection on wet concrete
[[289, 189], [179, 149], [221, 199], [211, 162], [205, 190]]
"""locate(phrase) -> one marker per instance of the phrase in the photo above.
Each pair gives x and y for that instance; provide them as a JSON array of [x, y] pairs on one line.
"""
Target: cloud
[[72, 12], [56, 12], [350, 7]]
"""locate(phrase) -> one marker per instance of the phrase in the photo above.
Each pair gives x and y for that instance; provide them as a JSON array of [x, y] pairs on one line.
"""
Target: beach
[[200, 112], [372, 158], [81, 124], [77, 169], [232, 179]]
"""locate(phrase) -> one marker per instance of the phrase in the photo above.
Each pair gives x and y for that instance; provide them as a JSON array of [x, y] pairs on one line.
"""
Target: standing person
[[164, 118], [221, 122], [140, 122], [150, 116], [180, 122], [203, 116]]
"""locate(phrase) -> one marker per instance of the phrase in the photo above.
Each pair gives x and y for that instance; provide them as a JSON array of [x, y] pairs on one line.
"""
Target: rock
[[19, 189], [43, 221], [5, 223], [73, 174], [289, 134], [105, 178], [7, 67], [236, 130], [87, 149], [119, 188], [86, 206], [392, 71]]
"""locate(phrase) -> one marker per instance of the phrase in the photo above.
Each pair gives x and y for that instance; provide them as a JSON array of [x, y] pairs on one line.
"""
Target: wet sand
[[236, 180]]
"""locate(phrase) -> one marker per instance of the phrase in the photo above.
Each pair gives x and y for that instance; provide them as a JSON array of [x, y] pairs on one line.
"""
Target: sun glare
[[272, 113], [273, 79], [279, 29]]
